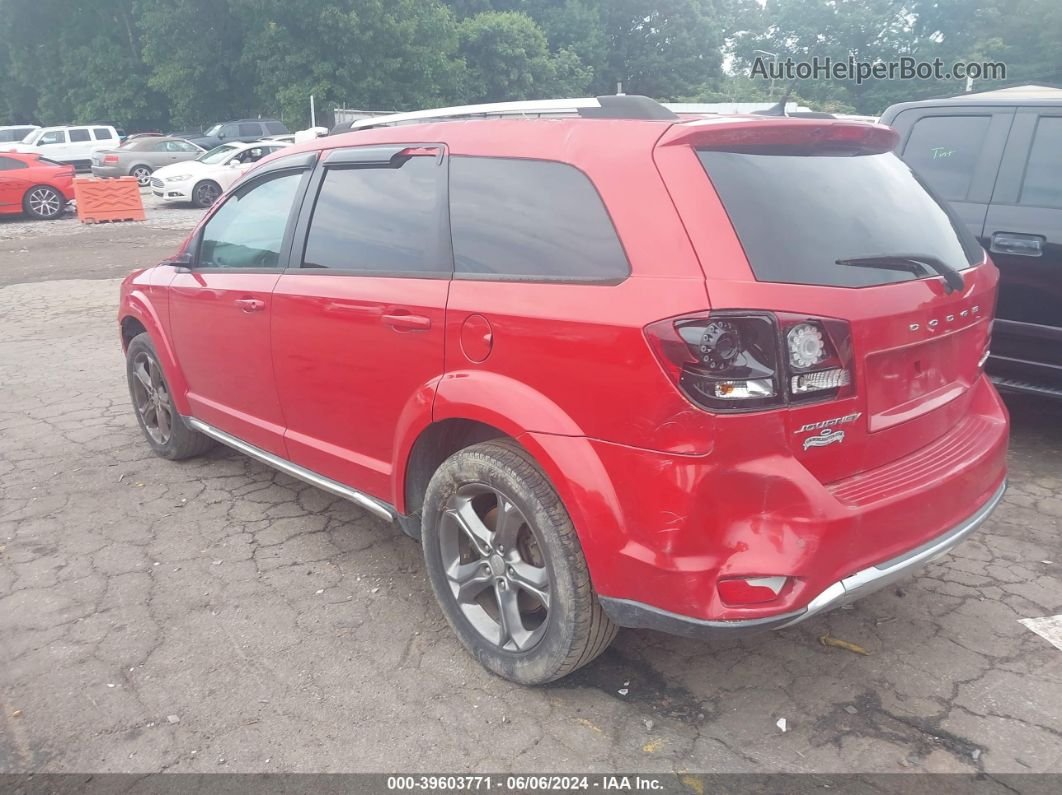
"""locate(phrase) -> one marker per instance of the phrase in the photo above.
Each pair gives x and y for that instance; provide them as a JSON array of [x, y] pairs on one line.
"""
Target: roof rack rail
[[607, 107]]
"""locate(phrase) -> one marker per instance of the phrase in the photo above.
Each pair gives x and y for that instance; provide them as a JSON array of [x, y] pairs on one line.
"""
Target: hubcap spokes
[[152, 398], [44, 202], [495, 568]]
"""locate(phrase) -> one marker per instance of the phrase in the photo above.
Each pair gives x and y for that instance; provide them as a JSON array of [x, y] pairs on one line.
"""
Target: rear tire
[[163, 427], [506, 566], [43, 202], [142, 174]]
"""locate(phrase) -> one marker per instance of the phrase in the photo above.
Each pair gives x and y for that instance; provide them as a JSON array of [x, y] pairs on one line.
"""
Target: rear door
[[80, 146], [801, 207], [358, 319], [957, 152], [1023, 232]]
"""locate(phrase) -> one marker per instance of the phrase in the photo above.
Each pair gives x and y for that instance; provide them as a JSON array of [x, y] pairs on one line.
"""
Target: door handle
[[250, 304], [407, 322], [1017, 245]]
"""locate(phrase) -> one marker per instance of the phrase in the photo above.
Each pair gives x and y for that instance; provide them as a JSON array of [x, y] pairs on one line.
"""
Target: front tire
[[205, 193], [163, 427], [506, 566], [43, 202]]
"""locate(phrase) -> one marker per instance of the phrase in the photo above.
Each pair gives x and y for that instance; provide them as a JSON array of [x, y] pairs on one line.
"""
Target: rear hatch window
[[798, 213]]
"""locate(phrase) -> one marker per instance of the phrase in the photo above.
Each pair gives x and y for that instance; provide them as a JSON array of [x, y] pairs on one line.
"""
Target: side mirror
[[221, 135], [182, 262]]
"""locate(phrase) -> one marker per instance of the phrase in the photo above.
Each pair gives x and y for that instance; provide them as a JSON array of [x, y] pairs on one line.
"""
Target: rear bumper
[[637, 615], [108, 171]]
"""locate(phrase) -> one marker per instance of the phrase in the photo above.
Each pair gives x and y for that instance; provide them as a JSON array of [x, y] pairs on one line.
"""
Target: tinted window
[[275, 128], [250, 130], [943, 150], [796, 215], [102, 134], [531, 219], [1042, 186], [380, 220], [248, 229], [230, 131], [79, 136], [10, 164]]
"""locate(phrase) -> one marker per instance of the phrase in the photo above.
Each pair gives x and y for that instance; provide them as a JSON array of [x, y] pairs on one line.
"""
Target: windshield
[[823, 208], [213, 130], [33, 137], [217, 154]]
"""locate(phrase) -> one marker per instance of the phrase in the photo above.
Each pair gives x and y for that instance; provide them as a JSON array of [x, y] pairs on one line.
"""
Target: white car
[[73, 145], [203, 180]]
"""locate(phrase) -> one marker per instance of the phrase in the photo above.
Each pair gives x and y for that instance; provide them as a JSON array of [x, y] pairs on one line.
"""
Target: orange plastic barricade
[[106, 200]]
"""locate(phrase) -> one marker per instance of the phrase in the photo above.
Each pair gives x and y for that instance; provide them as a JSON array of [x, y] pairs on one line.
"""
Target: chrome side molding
[[370, 504]]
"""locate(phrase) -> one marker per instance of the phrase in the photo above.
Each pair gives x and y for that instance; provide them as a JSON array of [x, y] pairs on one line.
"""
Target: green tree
[[507, 57]]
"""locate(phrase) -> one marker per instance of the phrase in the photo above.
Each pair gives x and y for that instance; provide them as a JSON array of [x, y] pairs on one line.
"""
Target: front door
[[358, 328], [220, 308]]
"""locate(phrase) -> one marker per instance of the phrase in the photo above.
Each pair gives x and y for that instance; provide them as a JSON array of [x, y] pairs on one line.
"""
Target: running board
[[1025, 387], [370, 504]]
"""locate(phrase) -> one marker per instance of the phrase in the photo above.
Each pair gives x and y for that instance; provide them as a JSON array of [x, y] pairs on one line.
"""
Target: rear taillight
[[744, 361], [110, 158]]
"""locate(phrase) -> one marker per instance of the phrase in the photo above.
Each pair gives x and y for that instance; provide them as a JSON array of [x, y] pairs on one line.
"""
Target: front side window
[[79, 136], [180, 146], [530, 219], [248, 229], [250, 130], [944, 150], [1042, 185], [379, 220], [52, 137]]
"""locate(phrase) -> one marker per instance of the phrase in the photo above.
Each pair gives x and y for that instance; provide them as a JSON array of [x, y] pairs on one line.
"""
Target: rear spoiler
[[765, 133]]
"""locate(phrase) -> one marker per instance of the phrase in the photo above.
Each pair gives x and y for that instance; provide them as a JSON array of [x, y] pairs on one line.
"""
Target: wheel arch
[[139, 315]]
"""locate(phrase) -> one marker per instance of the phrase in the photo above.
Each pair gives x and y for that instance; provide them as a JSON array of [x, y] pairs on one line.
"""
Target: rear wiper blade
[[915, 263]]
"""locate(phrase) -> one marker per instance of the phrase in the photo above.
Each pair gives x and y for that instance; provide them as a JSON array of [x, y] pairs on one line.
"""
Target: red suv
[[613, 369]]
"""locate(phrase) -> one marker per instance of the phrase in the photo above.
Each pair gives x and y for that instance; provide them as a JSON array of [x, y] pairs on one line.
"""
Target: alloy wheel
[[143, 176], [495, 567], [45, 202], [152, 398], [206, 194]]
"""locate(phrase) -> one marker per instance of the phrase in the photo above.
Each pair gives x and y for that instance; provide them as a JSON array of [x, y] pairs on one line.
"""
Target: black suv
[[245, 130], [997, 157]]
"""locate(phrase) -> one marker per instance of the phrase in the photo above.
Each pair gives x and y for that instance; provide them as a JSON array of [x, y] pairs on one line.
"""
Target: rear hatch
[[860, 305]]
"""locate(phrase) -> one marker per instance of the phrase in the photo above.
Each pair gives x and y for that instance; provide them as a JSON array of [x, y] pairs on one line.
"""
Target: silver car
[[138, 157]]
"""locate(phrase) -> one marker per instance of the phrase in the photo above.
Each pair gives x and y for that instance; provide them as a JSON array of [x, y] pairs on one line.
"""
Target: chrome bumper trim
[[370, 504]]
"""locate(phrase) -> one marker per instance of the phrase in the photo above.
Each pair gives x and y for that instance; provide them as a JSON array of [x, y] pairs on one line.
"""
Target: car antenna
[[779, 109]]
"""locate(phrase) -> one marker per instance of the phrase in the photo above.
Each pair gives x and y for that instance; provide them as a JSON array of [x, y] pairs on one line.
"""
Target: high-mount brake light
[[734, 361]]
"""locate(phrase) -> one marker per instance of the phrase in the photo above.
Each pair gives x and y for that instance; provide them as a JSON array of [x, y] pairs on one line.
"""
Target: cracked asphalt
[[214, 615]]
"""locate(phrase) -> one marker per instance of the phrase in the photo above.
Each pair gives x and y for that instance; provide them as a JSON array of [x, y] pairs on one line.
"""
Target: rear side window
[[276, 128], [102, 134], [1042, 186], [530, 219], [10, 164], [79, 136], [796, 215], [944, 150], [378, 220]]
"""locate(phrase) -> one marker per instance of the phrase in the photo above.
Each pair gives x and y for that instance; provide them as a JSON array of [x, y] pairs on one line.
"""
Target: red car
[[614, 369], [35, 186]]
